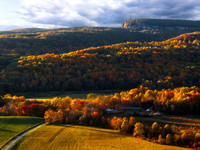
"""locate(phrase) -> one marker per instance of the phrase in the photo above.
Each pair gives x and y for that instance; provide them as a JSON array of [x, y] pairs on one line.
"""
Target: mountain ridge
[[60, 40], [142, 24]]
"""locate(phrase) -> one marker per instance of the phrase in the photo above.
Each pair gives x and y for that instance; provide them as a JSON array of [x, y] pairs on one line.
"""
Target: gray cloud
[[105, 12]]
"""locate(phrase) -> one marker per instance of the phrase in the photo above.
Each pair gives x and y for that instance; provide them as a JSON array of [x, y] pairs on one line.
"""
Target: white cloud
[[6, 27], [104, 12]]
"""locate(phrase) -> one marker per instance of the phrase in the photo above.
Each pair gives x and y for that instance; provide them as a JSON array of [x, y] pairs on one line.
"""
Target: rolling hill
[[167, 64], [34, 41], [82, 137], [41, 41]]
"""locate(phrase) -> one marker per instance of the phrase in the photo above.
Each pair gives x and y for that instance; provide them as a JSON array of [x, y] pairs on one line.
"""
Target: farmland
[[162, 78], [10, 126], [83, 137], [74, 95], [187, 121]]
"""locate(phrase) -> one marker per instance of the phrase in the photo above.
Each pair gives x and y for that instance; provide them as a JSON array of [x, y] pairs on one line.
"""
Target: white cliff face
[[139, 24]]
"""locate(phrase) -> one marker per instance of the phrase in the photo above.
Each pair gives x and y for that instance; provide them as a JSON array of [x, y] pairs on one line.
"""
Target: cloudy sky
[[66, 13]]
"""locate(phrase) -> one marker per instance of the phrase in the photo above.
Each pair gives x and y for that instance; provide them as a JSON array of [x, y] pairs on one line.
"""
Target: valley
[[135, 87]]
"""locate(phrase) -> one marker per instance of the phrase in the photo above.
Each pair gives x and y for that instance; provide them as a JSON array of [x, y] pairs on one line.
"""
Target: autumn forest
[[161, 75], [157, 65]]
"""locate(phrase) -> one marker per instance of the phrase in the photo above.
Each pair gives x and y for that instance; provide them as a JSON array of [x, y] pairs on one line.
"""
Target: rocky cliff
[[166, 24]]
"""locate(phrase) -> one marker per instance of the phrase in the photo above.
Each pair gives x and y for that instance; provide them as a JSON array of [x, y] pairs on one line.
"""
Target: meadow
[[83, 137], [186, 121], [72, 95], [11, 126]]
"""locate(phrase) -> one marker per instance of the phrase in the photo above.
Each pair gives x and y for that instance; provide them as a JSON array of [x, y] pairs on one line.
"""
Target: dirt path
[[7, 147]]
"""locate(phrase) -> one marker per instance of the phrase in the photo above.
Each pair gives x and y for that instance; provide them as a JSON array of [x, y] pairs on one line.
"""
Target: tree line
[[92, 111]]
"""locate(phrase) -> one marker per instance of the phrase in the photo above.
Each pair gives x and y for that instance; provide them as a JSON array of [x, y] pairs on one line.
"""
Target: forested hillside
[[157, 65], [35, 41], [41, 41]]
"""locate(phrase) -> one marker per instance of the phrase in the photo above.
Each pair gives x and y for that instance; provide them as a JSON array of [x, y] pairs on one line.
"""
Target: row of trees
[[158, 133], [92, 111], [183, 100]]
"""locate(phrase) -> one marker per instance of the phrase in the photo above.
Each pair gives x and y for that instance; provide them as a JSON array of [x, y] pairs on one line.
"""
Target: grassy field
[[81, 95], [81, 137], [10, 126], [165, 119], [72, 95]]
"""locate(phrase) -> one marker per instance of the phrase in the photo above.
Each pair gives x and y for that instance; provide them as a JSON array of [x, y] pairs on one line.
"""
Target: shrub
[[95, 115], [74, 116], [197, 137], [155, 127], [184, 138], [160, 139], [50, 116], [173, 128], [119, 123], [132, 121], [115, 123], [103, 121], [167, 129], [177, 139], [138, 130], [169, 139], [81, 120], [60, 116], [160, 130], [125, 125]]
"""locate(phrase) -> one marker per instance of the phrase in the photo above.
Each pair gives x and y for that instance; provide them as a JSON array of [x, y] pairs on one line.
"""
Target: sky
[[66, 13]]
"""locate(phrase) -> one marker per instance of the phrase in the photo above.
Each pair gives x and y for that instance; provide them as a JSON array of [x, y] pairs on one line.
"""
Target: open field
[[81, 95], [82, 137], [191, 121], [10, 126], [78, 95]]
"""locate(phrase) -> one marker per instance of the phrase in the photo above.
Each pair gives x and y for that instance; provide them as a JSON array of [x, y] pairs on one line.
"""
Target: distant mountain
[[33, 41], [40, 41], [162, 24], [25, 30]]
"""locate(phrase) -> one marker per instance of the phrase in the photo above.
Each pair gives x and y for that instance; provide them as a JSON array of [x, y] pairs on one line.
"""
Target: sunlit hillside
[[167, 64]]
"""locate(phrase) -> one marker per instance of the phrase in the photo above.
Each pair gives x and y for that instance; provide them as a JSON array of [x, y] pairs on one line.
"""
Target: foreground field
[[10, 126], [81, 137]]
